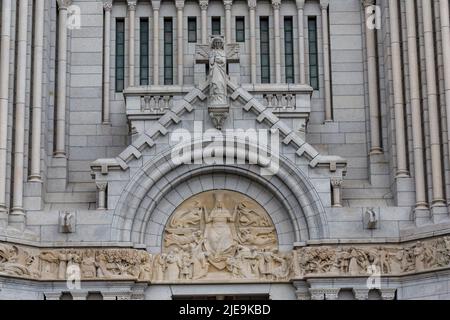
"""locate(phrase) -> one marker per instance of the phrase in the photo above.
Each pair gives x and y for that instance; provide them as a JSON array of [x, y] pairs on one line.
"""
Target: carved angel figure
[[218, 73]]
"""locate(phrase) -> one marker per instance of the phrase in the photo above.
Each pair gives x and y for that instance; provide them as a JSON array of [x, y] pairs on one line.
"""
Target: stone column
[[374, 105], [324, 4], [4, 101], [397, 80], [276, 21], [107, 6], [131, 40], [336, 184], [252, 13], [416, 110], [17, 215], [445, 29], [60, 129], [227, 4], [156, 5], [204, 9], [36, 126], [101, 186], [301, 40], [433, 108], [180, 41]]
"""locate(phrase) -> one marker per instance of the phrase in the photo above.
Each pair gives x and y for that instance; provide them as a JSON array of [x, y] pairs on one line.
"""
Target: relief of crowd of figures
[[131, 264], [222, 236]]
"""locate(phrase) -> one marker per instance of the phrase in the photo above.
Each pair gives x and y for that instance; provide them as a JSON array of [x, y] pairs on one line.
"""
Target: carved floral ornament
[[223, 236]]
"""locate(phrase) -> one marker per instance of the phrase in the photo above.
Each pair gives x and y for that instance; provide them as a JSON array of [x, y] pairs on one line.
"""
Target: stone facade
[[103, 190]]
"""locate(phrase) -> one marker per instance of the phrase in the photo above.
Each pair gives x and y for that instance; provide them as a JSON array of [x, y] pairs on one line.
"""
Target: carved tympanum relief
[[221, 235]]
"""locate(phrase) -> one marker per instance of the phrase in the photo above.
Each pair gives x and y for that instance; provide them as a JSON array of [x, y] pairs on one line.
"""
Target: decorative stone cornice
[[204, 4], [132, 5], [64, 4], [251, 4], [276, 4], [107, 5]]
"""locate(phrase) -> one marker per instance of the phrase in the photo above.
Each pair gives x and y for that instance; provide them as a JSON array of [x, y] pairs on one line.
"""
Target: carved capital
[[227, 4], [131, 5], [300, 4], [361, 294], [331, 294], [179, 4], [101, 186], [317, 294], [64, 4], [276, 4], [388, 294], [107, 5], [251, 4], [204, 4], [336, 182], [367, 3], [156, 5], [324, 4]]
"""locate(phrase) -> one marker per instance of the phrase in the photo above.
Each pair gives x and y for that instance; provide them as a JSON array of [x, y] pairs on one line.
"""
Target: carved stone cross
[[202, 53]]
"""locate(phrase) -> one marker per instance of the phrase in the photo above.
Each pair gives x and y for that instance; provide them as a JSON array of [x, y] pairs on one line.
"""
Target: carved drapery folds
[[93, 263], [226, 254], [221, 235], [387, 260]]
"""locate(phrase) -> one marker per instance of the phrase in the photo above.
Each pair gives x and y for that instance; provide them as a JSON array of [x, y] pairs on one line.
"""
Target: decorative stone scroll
[[221, 235]]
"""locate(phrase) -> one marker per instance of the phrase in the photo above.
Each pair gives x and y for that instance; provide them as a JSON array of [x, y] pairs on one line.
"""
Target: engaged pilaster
[[324, 4], [252, 13], [60, 132], [433, 107], [5, 46], [445, 30], [131, 40], [36, 127], [276, 21], [17, 216], [301, 40], [204, 9], [416, 107], [227, 4], [156, 5], [180, 43], [107, 7], [397, 82], [372, 73]]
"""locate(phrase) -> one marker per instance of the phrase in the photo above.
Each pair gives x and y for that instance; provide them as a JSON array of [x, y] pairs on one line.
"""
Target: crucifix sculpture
[[217, 55]]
